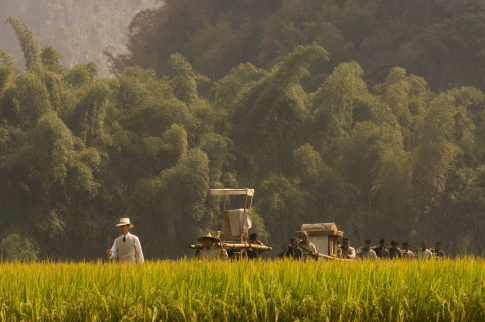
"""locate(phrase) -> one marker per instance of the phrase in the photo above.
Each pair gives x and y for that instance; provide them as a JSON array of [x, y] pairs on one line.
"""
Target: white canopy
[[227, 192]]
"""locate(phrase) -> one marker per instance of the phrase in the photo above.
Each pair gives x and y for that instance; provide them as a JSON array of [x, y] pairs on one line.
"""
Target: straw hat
[[125, 221], [215, 239]]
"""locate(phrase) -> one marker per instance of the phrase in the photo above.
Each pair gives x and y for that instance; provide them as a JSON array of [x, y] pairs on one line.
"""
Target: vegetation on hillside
[[441, 41], [78, 151]]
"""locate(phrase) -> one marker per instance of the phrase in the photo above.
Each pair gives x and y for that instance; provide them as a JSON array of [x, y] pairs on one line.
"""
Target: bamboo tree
[[27, 40]]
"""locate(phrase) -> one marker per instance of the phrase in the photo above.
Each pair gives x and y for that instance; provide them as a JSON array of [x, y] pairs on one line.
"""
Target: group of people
[[300, 249], [211, 248], [304, 249], [382, 252], [127, 248]]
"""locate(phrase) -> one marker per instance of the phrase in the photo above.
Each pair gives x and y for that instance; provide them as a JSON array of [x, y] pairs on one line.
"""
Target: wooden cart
[[324, 237], [235, 222]]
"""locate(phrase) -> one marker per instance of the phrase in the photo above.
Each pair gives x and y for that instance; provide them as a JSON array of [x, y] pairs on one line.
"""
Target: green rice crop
[[186, 290]]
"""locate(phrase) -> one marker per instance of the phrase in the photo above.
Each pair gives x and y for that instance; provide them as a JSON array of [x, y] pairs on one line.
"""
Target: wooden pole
[[214, 215], [244, 216], [242, 245], [334, 258]]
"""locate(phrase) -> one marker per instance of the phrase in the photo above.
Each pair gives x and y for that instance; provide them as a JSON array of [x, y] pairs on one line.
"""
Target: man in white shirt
[[127, 247], [345, 251], [424, 252], [366, 252], [407, 254]]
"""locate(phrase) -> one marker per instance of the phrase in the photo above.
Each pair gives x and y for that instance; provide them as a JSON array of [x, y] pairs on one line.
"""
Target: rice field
[[186, 290]]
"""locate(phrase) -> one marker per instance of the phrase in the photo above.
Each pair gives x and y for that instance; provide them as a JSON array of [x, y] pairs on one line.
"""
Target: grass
[[448, 290]]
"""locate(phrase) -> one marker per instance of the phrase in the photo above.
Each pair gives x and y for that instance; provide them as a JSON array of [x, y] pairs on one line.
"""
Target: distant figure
[[365, 252], [437, 252], [211, 248], [424, 252], [381, 251], [309, 250], [394, 251], [293, 250], [407, 254], [345, 251], [127, 247], [254, 252], [198, 247]]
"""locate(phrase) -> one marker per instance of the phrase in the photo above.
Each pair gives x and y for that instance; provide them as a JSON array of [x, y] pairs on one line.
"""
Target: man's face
[[394, 246], [438, 247], [208, 242], [367, 247], [293, 245], [424, 245], [304, 238], [382, 245], [253, 241], [345, 244], [124, 229], [405, 247]]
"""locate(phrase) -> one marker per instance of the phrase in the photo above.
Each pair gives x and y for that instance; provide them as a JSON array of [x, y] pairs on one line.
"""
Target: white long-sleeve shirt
[[424, 254], [139, 253]]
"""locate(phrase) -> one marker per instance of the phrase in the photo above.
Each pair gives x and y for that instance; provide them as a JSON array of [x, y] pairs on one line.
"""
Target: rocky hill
[[79, 29]]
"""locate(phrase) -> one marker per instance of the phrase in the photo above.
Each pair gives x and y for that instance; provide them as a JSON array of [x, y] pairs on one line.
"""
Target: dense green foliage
[[441, 41], [78, 151], [79, 29], [244, 291]]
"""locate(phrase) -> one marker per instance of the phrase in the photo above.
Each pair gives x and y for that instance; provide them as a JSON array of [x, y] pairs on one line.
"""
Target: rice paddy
[[186, 290]]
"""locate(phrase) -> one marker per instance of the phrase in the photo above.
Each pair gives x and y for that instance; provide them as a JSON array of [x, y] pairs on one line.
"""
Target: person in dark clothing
[[254, 253], [394, 251], [381, 251], [293, 250], [437, 252]]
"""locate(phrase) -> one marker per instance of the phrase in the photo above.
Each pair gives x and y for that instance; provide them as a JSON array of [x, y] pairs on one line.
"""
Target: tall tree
[[27, 40]]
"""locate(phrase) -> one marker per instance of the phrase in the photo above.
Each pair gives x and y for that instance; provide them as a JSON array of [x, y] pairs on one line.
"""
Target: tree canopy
[[441, 41], [78, 151]]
